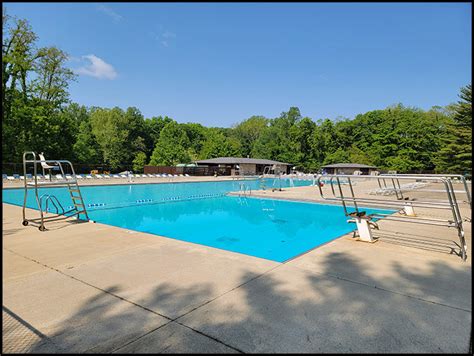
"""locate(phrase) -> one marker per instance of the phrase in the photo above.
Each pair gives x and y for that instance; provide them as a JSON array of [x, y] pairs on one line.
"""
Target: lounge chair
[[29, 176], [80, 176], [11, 177], [186, 175], [68, 176], [115, 176], [137, 175], [107, 176], [123, 176], [59, 176], [151, 175], [144, 176], [88, 176], [181, 175], [99, 176]]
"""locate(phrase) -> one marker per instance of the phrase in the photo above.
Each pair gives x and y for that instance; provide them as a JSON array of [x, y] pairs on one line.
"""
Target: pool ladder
[[244, 190]]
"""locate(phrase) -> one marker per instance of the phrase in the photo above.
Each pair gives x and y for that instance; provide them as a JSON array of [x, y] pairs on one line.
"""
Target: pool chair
[[115, 176], [69, 177], [144, 176], [59, 176], [88, 176], [99, 176], [151, 175], [11, 178], [29, 176], [107, 176], [123, 176], [136, 175], [181, 175], [79, 176], [47, 167], [186, 175]]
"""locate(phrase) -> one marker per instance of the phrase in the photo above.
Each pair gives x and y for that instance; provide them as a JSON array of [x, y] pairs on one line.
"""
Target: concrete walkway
[[84, 287]]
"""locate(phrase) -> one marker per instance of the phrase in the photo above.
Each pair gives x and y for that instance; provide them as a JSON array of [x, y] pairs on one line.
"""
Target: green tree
[[152, 129], [52, 77], [86, 148], [32, 108], [218, 145], [197, 135], [111, 133], [248, 132], [456, 155], [339, 156], [172, 146], [139, 162]]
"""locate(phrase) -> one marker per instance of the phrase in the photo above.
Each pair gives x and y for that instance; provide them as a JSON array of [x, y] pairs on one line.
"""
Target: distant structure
[[244, 166], [348, 168]]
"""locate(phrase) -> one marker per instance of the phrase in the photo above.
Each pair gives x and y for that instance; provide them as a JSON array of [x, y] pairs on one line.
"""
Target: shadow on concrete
[[286, 310], [10, 231], [19, 336], [427, 243]]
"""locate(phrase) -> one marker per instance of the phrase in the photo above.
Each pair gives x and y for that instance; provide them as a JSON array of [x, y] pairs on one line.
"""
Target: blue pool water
[[201, 213]]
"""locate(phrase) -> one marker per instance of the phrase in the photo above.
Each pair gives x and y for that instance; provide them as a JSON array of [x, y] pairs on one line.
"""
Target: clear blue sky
[[218, 64]]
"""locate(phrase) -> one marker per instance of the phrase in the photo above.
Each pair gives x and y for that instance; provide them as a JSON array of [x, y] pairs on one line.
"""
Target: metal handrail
[[53, 199], [459, 176], [451, 203]]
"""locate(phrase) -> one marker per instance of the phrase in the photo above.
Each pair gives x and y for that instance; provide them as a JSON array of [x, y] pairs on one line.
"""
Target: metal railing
[[400, 203], [453, 177]]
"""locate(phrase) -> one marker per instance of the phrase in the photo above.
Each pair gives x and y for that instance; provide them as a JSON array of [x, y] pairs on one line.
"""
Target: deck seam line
[[230, 290], [385, 290], [138, 338]]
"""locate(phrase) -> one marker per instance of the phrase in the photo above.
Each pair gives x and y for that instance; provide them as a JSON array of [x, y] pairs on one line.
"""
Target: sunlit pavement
[[85, 287]]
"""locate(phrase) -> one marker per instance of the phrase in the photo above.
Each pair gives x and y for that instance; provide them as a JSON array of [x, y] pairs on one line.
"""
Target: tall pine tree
[[456, 155]]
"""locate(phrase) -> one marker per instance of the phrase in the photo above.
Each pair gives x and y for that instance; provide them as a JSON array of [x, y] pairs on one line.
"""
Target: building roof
[[239, 160], [347, 165]]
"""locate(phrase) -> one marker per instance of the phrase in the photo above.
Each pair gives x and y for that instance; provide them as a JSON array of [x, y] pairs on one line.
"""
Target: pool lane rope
[[99, 206]]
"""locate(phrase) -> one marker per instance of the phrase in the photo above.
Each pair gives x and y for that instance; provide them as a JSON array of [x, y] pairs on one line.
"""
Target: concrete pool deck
[[85, 287]]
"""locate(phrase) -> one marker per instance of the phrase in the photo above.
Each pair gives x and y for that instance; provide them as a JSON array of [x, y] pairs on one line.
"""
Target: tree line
[[37, 115]]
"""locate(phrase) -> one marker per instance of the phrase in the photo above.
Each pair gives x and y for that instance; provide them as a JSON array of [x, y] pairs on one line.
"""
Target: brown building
[[348, 168], [245, 166]]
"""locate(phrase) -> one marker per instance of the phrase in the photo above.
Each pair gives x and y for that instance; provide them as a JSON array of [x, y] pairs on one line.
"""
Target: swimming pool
[[202, 213]]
